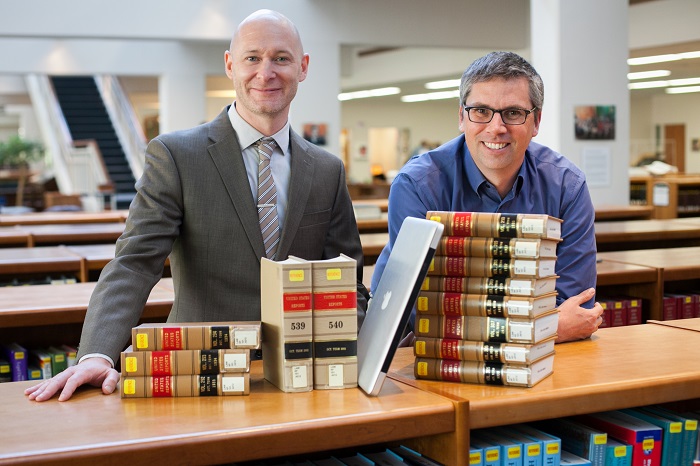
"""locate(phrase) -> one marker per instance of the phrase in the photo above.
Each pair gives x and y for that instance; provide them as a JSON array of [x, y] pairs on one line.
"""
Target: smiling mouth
[[495, 146]]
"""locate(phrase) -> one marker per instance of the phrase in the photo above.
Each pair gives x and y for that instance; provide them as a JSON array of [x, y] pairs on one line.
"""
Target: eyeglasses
[[510, 116]]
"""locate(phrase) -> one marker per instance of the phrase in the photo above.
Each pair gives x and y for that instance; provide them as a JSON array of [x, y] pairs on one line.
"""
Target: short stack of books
[[487, 310], [189, 359], [309, 323]]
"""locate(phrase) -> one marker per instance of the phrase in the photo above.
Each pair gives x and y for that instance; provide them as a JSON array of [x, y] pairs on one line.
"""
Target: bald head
[[271, 19]]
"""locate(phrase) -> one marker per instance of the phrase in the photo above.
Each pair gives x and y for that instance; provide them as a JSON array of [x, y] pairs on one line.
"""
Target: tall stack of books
[[487, 309], [189, 359]]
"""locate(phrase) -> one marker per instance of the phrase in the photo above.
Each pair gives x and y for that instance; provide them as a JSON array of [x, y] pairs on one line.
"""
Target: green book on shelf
[[618, 453], [59, 362]]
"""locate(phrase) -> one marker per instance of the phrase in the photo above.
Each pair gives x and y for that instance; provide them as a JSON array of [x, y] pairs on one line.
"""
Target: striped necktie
[[267, 198]]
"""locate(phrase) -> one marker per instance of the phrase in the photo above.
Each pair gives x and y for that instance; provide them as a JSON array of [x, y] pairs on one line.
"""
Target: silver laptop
[[390, 308]]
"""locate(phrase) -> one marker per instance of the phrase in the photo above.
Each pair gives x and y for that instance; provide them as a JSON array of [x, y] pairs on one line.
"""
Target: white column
[[580, 49], [182, 100]]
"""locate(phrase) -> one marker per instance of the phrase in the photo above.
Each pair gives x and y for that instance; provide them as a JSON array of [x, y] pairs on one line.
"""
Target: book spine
[[174, 337], [488, 373], [467, 350], [461, 304], [495, 286], [185, 362], [17, 357], [184, 385], [501, 248], [489, 267], [494, 225], [487, 329]]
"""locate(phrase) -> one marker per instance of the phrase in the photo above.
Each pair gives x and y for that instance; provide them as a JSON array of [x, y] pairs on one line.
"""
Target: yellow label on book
[[423, 325], [474, 457], [493, 454], [422, 368], [691, 424], [334, 274], [60, 358], [648, 444], [422, 303], [141, 340], [19, 355], [600, 439], [426, 284], [553, 448], [676, 427], [129, 386], [5, 369], [514, 452], [420, 348], [435, 218], [633, 303], [533, 450], [296, 275], [618, 305], [131, 364], [620, 451], [688, 299]]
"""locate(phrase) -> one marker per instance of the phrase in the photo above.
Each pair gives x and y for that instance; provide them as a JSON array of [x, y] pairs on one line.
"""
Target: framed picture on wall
[[594, 121], [315, 133]]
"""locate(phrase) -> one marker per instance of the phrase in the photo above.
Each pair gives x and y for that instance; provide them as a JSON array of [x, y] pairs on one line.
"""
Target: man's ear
[[228, 64]]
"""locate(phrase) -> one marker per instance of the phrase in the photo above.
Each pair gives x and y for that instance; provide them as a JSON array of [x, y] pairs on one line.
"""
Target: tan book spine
[[469, 350], [488, 329], [491, 267], [488, 373], [461, 304], [174, 386], [497, 225], [184, 362], [530, 287], [196, 335], [506, 248]]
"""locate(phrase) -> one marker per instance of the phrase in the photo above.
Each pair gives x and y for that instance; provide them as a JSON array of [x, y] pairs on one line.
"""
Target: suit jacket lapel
[[225, 152], [302, 174]]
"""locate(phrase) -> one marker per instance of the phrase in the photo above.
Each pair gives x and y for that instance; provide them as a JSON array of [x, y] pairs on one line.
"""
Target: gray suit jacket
[[194, 203]]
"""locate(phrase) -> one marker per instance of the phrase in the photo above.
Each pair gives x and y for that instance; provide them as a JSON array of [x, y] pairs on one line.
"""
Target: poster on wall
[[315, 133], [594, 121]]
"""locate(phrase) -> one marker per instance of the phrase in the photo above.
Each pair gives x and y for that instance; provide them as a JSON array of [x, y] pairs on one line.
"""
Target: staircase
[[87, 118]]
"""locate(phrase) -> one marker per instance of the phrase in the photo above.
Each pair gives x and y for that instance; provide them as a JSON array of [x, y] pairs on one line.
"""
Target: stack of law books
[[189, 359], [487, 309]]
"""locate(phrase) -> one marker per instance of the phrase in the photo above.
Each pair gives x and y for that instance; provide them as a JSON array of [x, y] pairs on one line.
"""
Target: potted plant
[[17, 152]]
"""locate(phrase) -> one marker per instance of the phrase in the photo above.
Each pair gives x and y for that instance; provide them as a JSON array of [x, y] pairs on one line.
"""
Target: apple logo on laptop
[[387, 297]]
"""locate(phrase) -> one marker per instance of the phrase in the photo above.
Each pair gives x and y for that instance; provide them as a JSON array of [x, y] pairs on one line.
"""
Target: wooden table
[[646, 234], [383, 204], [618, 367], [52, 218], [95, 257], [687, 324], [11, 236], [41, 260], [80, 233], [374, 225], [372, 245], [96, 429], [623, 212]]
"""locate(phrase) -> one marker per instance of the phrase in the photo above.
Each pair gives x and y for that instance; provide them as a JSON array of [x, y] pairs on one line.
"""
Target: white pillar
[[182, 100]]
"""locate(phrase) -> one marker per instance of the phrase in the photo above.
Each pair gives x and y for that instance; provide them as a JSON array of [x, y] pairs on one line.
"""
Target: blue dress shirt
[[448, 179]]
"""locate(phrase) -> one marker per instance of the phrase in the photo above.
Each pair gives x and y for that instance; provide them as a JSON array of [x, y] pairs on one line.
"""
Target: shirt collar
[[247, 135], [476, 179]]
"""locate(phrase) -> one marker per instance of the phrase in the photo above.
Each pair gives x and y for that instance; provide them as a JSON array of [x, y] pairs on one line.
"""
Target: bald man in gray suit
[[196, 202]]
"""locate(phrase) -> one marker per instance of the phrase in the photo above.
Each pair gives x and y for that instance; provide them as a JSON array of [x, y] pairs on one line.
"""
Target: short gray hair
[[505, 65]]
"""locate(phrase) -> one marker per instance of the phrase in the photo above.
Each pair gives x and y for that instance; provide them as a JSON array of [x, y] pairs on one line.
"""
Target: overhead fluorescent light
[[431, 96], [648, 74], [663, 58], [380, 92], [667, 83], [443, 84], [683, 82], [682, 90]]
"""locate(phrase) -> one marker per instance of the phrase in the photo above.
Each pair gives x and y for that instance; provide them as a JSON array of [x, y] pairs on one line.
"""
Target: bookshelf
[[671, 196]]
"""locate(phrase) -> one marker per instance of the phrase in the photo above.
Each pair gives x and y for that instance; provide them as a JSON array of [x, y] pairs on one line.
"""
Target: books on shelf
[[488, 329], [499, 286], [17, 357], [195, 335], [469, 350], [619, 454], [491, 267], [578, 438], [491, 373], [551, 444], [171, 386], [672, 436], [287, 323], [497, 225], [5, 371], [334, 285], [184, 362], [503, 248], [461, 304]]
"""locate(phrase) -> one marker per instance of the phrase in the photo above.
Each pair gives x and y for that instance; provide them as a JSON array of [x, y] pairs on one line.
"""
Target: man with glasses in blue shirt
[[495, 167]]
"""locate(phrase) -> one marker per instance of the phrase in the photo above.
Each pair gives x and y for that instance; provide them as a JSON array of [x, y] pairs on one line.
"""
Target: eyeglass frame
[[500, 112]]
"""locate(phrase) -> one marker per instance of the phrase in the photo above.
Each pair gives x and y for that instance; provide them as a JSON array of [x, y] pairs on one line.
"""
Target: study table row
[[614, 369]]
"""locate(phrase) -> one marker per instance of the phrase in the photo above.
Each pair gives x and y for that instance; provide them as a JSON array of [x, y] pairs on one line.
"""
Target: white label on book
[[521, 331], [335, 375], [235, 361], [515, 354], [299, 377], [232, 384], [532, 226], [244, 338], [520, 287], [525, 267], [526, 248], [516, 376], [518, 308]]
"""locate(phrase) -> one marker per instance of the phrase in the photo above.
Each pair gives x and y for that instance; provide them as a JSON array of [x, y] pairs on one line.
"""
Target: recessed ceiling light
[[431, 96], [648, 74], [663, 58], [682, 90], [383, 91], [443, 84]]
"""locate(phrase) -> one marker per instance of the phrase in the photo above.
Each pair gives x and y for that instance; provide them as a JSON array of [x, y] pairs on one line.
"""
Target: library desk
[[95, 257], [618, 367], [687, 324], [50, 218], [43, 314], [646, 234], [372, 245], [93, 428], [374, 225], [12, 237], [41, 260], [75, 233], [623, 212], [383, 204]]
